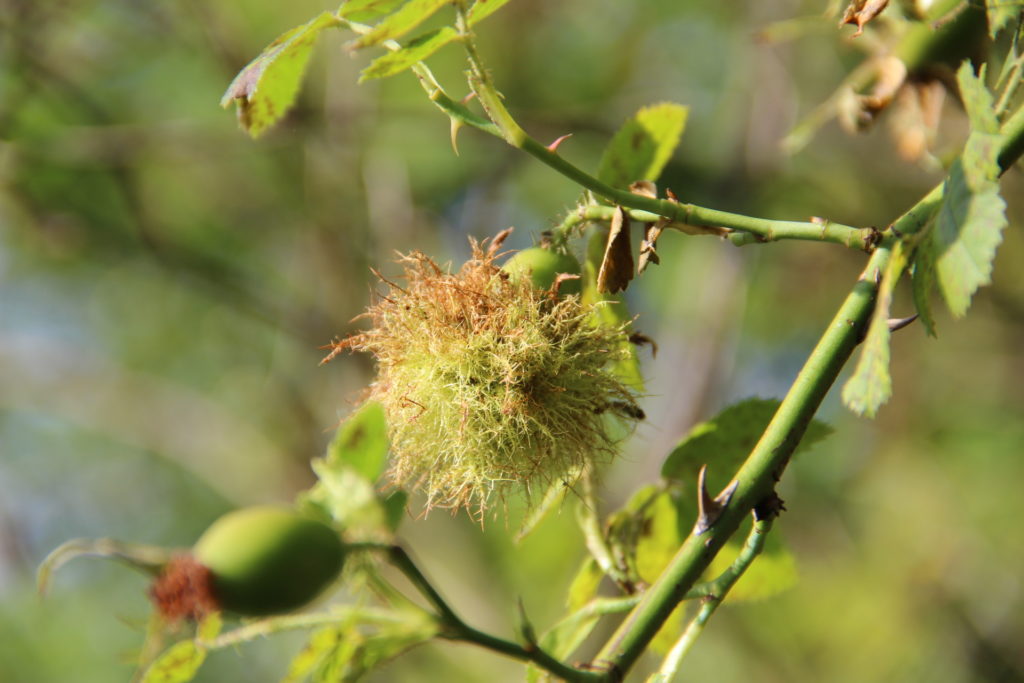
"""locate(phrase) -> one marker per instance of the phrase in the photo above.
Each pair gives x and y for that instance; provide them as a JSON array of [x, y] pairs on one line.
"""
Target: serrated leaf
[[870, 385], [585, 584], [772, 572], [364, 10], [724, 442], [179, 664], [968, 229], [981, 151], [321, 643], [416, 50], [644, 144], [1000, 14], [266, 89], [362, 442], [922, 280], [406, 19], [482, 9]]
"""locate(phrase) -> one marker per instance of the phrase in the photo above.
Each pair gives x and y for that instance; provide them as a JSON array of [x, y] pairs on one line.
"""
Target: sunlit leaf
[[724, 442], [963, 242], [266, 89], [981, 151], [178, 664], [406, 19], [321, 644], [1001, 13], [772, 571], [362, 442], [416, 50], [365, 10], [644, 144], [482, 9], [665, 526], [585, 584], [870, 385]]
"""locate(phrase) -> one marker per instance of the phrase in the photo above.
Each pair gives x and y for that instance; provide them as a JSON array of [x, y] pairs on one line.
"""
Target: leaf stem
[[718, 589], [454, 628]]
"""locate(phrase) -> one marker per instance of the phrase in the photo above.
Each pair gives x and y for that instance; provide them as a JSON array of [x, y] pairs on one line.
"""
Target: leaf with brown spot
[[617, 266], [266, 89]]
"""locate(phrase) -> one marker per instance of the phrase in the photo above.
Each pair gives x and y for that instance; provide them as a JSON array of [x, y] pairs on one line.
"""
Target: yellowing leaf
[[644, 144], [179, 664], [415, 51], [411, 15], [482, 9], [266, 89]]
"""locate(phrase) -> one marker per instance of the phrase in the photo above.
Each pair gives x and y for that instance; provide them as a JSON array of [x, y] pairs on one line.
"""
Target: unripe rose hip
[[253, 562]]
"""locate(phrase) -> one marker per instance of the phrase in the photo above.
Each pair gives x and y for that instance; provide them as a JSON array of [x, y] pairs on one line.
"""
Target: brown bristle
[[184, 590]]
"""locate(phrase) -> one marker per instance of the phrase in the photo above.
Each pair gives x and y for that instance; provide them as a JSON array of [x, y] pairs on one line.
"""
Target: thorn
[[553, 147], [671, 195], [468, 98], [900, 323], [710, 509], [525, 627], [456, 127]]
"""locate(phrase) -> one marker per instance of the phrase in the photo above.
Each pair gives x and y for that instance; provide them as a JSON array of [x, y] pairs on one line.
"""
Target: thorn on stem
[[900, 323], [553, 147], [710, 509]]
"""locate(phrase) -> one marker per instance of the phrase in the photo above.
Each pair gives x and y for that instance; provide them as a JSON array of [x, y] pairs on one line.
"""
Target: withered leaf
[[648, 255], [617, 265], [860, 12]]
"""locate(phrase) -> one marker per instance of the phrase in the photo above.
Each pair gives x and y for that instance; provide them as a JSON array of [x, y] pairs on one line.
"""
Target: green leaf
[[724, 442], [365, 10], [482, 9], [644, 144], [772, 572], [411, 15], [922, 280], [349, 500], [394, 509], [266, 89], [362, 442], [416, 50], [870, 385], [1000, 14], [321, 644], [963, 241], [663, 531], [585, 584], [178, 664], [981, 151]]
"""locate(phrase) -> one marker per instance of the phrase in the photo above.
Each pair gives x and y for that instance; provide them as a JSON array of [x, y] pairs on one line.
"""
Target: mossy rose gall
[[491, 382]]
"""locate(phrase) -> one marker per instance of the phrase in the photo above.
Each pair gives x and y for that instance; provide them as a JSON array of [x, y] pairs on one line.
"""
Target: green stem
[[823, 231], [756, 478], [718, 589], [766, 463], [293, 622], [454, 628]]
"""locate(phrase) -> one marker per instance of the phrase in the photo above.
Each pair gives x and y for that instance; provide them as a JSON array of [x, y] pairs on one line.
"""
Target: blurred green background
[[166, 283]]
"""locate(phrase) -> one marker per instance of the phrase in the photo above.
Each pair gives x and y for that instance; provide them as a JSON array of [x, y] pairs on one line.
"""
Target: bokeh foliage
[[165, 284]]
